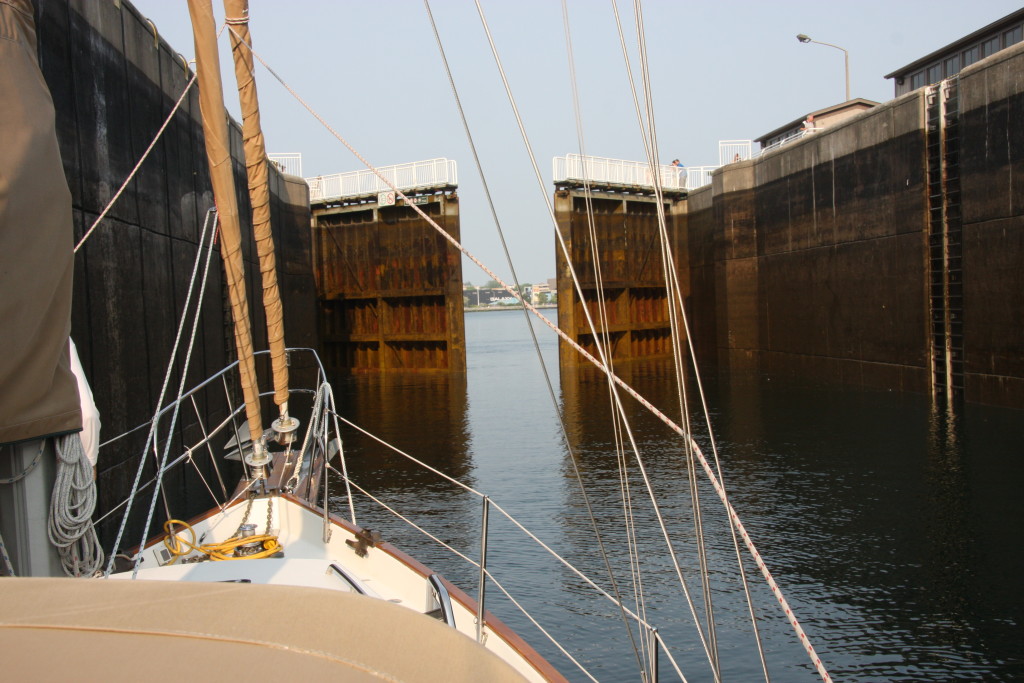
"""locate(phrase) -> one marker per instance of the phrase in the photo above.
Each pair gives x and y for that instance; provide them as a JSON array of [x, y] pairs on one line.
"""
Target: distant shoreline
[[486, 309]]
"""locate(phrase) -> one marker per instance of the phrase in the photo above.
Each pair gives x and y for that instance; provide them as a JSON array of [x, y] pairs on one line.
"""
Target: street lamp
[[807, 39]]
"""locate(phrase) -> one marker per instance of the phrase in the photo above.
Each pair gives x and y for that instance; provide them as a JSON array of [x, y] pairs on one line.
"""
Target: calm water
[[892, 533]]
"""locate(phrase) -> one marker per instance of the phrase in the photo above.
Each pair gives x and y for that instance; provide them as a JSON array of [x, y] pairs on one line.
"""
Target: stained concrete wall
[[819, 249], [631, 296], [992, 183], [113, 82], [390, 286]]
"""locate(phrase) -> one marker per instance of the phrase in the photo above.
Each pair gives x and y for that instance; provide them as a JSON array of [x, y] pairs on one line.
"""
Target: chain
[[245, 517], [270, 514]]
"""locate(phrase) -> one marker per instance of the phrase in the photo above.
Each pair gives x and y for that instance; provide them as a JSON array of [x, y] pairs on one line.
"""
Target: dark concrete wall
[[819, 249], [992, 182], [113, 83]]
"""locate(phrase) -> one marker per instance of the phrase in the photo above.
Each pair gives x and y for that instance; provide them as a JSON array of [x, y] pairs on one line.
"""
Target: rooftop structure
[[948, 61], [823, 118]]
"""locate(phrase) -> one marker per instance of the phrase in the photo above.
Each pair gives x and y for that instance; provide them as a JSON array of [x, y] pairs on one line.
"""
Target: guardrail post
[[483, 573], [652, 650]]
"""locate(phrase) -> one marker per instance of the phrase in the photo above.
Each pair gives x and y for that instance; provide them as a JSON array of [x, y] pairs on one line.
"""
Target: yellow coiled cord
[[216, 551]]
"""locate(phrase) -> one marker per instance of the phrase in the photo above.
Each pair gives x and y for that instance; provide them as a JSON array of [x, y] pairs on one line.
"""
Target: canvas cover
[[92, 630], [38, 393]]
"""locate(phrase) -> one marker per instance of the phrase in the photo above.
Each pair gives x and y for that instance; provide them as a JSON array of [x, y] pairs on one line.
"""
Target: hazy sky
[[719, 70]]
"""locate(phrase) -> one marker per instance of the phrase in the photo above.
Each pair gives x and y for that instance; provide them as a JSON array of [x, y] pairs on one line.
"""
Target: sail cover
[[38, 393]]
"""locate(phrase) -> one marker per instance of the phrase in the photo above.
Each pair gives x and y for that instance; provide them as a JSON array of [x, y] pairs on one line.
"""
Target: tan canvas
[[38, 393]]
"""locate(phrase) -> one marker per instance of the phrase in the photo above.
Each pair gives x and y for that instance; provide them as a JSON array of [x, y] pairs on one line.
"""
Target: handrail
[[443, 599], [615, 172], [417, 175], [699, 176], [290, 163]]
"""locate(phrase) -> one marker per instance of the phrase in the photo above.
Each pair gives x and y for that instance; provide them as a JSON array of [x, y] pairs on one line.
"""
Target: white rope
[[70, 528], [138, 165], [211, 220], [733, 516]]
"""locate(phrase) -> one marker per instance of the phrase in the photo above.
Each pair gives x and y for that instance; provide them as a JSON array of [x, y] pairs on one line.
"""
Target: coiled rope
[[70, 527], [179, 547]]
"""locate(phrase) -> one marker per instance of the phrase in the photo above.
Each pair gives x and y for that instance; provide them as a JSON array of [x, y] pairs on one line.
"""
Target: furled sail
[[237, 18], [218, 153]]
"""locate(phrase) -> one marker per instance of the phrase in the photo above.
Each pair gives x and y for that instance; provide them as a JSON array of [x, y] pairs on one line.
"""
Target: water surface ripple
[[891, 531]]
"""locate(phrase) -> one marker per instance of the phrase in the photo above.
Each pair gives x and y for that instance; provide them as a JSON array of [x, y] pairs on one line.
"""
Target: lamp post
[[807, 39]]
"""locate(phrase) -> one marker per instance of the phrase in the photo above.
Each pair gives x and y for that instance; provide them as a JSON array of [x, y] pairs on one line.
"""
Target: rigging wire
[[672, 286], [673, 279], [621, 461], [529, 323], [590, 322], [705, 465], [211, 220]]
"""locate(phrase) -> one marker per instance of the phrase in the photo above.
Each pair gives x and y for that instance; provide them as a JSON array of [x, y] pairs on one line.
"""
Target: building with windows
[[821, 119], [949, 60]]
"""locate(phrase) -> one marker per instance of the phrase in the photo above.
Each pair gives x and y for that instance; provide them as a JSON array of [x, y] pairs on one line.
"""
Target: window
[[990, 46], [917, 80], [935, 73], [971, 55], [1013, 36], [953, 66]]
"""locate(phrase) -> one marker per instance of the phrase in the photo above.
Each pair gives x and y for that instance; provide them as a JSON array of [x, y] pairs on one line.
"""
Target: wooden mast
[[218, 154], [236, 14]]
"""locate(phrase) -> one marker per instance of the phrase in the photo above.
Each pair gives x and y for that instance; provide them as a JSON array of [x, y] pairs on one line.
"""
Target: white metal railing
[[699, 176], [731, 151], [417, 175], [290, 163], [796, 135], [604, 171]]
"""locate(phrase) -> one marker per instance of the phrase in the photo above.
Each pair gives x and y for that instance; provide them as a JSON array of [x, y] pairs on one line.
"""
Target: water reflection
[[891, 529], [424, 415], [883, 521]]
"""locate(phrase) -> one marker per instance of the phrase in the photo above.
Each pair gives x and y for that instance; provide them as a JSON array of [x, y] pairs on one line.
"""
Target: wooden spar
[[236, 14], [218, 155]]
